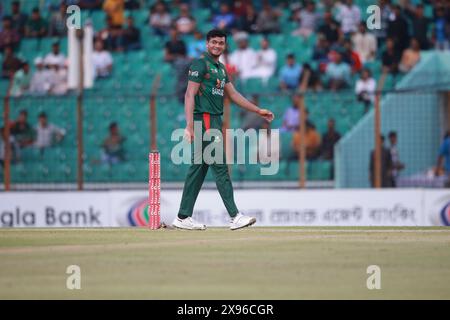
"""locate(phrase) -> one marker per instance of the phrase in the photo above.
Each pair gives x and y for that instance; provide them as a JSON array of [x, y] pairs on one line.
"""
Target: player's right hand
[[266, 114], [189, 134]]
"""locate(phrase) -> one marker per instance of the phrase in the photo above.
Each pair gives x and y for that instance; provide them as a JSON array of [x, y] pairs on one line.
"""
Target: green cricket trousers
[[198, 169]]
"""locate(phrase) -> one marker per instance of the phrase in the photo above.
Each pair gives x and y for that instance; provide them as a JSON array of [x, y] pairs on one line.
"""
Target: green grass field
[[254, 263]]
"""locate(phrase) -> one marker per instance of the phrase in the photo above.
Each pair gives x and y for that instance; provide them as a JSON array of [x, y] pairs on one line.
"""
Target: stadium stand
[[124, 98]]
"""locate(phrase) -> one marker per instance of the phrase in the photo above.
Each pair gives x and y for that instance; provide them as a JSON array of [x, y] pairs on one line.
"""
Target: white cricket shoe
[[241, 221], [188, 224]]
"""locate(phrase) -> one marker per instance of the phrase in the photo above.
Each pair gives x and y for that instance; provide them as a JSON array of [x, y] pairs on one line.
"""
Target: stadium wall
[[413, 111], [408, 207]]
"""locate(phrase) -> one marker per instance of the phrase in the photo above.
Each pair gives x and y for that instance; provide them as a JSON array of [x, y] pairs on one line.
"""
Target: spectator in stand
[[90, 4], [181, 65], [312, 143], [47, 134], [247, 23], [133, 4], [10, 63], [307, 18], [338, 73], [329, 28], [9, 37], [22, 131], [441, 31], [244, 58], [102, 60], [386, 166], [314, 82], [321, 50], [290, 73], [352, 57], [410, 57], [13, 145], [196, 46], [266, 61], [160, 19], [398, 30], [131, 36], [36, 26], [419, 24], [115, 10], [390, 58], [225, 20], [40, 81], [239, 8], [58, 25], [185, 23], [58, 79], [291, 117], [55, 57], [443, 161], [111, 35], [365, 88], [397, 165], [386, 12], [365, 44], [268, 20], [21, 81], [18, 19], [329, 139], [113, 146], [296, 9], [349, 15], [174, 47]]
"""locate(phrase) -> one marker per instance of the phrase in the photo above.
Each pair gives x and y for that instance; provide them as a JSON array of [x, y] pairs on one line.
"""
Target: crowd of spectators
[[23, 135], [342, 49], [342, 56], [48, 78]]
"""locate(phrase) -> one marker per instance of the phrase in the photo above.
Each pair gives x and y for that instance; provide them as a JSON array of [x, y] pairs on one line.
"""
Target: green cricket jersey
[[212, 77]]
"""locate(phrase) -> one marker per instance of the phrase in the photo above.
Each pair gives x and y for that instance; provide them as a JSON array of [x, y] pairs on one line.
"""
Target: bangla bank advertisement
[[281, 207]]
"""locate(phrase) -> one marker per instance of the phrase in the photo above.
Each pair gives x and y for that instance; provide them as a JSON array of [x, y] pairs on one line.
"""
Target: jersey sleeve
[[197, 71]]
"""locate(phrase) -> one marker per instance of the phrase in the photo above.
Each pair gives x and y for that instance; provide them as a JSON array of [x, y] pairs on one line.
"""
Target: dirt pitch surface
[[252, 263]]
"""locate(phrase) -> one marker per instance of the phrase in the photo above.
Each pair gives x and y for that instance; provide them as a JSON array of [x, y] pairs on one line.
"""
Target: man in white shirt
[[55, 57], [47, 133], [365, 88], [58, 80], [40, 81], [101, 60], [244, 58], [365, 44], [349, 16], [308, 20], [266, 62]]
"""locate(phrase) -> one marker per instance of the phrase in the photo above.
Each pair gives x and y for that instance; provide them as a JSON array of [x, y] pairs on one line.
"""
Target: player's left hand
[[266, 114]]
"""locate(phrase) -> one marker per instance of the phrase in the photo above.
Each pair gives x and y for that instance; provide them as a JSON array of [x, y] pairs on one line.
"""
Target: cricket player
[[207, 84]]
